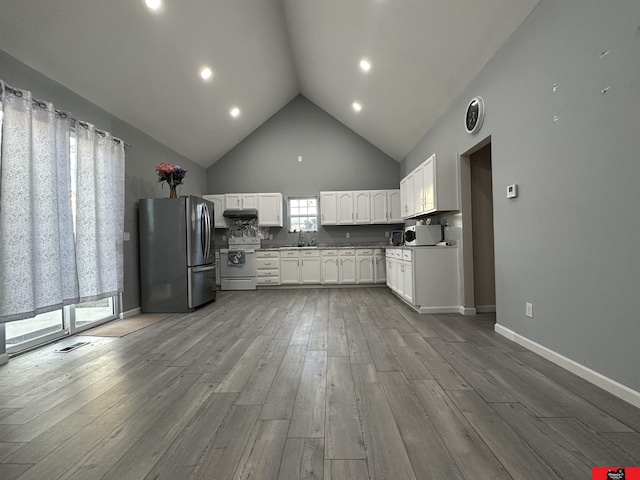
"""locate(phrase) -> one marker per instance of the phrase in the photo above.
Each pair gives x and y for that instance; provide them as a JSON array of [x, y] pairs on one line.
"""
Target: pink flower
[[172, 174]]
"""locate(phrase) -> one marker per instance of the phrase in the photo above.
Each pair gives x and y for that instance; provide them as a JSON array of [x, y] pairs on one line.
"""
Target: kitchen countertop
[[351, 247]]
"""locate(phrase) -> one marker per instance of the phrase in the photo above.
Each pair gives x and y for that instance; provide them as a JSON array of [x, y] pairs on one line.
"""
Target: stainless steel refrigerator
[[177, 260]]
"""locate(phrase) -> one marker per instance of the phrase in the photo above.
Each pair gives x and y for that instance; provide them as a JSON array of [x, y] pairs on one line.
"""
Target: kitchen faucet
[[300, 239]]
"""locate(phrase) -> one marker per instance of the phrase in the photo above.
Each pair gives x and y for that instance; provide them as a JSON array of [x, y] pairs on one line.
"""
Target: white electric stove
[[238, 264]]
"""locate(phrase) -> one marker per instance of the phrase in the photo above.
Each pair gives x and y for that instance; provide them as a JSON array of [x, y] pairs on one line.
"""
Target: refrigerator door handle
[[204, 268], [208, 225], [203, 230]]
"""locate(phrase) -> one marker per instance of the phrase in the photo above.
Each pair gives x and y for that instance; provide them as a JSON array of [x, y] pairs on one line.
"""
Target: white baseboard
[[130, 313], [4, 358], [443, 309], [608, 384], [466, 310], [486, 308]]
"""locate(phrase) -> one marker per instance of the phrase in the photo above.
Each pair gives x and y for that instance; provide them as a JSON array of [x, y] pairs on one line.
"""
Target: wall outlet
[[348, 235], [528, 308], [386, 234], [126, 237], [512, 191], [224, 238]]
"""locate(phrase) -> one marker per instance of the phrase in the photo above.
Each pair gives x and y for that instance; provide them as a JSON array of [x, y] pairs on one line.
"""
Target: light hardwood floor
[[300, 384]]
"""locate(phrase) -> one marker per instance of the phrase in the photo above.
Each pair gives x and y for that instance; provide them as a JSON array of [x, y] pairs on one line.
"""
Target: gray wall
[[334, 158], [145, 153], [568, 243]]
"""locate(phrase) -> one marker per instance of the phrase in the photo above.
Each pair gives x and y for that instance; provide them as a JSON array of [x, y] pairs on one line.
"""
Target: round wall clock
[[474, 115]]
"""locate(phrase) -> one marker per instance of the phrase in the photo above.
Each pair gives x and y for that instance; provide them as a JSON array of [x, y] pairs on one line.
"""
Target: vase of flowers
[[172, 174]]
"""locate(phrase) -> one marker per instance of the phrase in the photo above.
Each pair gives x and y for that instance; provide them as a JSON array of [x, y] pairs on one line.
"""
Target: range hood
[[246, 213]]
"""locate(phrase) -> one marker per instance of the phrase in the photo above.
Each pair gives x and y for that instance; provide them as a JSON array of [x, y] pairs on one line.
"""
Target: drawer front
[[267, 254], [310, 253], [378, 251], [329, 253], [364, 251], [268, 280], [289, 254], [407, 255], [347, 253], [268, 273], [267, 263]]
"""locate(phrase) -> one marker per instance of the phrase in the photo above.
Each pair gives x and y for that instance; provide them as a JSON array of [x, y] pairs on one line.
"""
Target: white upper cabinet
[[218, 208], [241, 201], [361, 207], [394, 206], [418, 190], [406, 195], [430, 188], [345, 208], [428, 179], [270, 210], [328, 208], [379, 212]]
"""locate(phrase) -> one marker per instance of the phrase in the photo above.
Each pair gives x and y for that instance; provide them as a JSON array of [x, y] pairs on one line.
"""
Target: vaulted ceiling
[[143, 66]]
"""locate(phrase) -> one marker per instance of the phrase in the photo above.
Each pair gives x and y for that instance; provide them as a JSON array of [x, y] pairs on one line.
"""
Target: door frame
[[468, 289]]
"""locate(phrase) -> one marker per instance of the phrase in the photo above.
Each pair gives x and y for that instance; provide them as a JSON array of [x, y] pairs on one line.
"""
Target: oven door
[[230, 270]]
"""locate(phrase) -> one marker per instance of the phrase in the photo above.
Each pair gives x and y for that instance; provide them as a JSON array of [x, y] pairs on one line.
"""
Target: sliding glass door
[[31, 332]]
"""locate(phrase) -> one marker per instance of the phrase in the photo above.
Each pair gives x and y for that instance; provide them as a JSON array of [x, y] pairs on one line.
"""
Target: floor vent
[[73, 347]]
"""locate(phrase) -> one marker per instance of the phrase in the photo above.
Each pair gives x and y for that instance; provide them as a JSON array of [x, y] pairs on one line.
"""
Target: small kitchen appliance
[[397, 237], [422, 235]]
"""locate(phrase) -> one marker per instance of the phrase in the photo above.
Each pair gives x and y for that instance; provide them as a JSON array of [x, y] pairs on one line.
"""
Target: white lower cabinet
[[407, 280], [364, 266], [379, 269], [347, 267], [268, 267], [300, 267], [310, 267], [340, 266], [425, 277], [391, 266], [290, 267], [329, 263]]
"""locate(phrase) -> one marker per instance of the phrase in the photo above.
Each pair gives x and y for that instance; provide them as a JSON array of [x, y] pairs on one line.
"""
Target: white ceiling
[[142, 66]]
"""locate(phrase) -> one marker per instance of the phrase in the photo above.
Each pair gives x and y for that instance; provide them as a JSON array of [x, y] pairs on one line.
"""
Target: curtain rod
[[61, 114]]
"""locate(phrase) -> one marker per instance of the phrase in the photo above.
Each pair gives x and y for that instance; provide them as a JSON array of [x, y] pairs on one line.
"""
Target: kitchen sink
[[298, 248]]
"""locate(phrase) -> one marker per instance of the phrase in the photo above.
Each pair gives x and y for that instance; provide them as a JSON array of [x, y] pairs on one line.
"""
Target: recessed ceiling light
[[206, 73], [153, 4], [356, 106], [365, 66], [234, 112]]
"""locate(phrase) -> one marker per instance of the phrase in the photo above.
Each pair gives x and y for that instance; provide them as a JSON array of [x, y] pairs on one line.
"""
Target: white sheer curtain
[[99, 213], [41, 269]]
